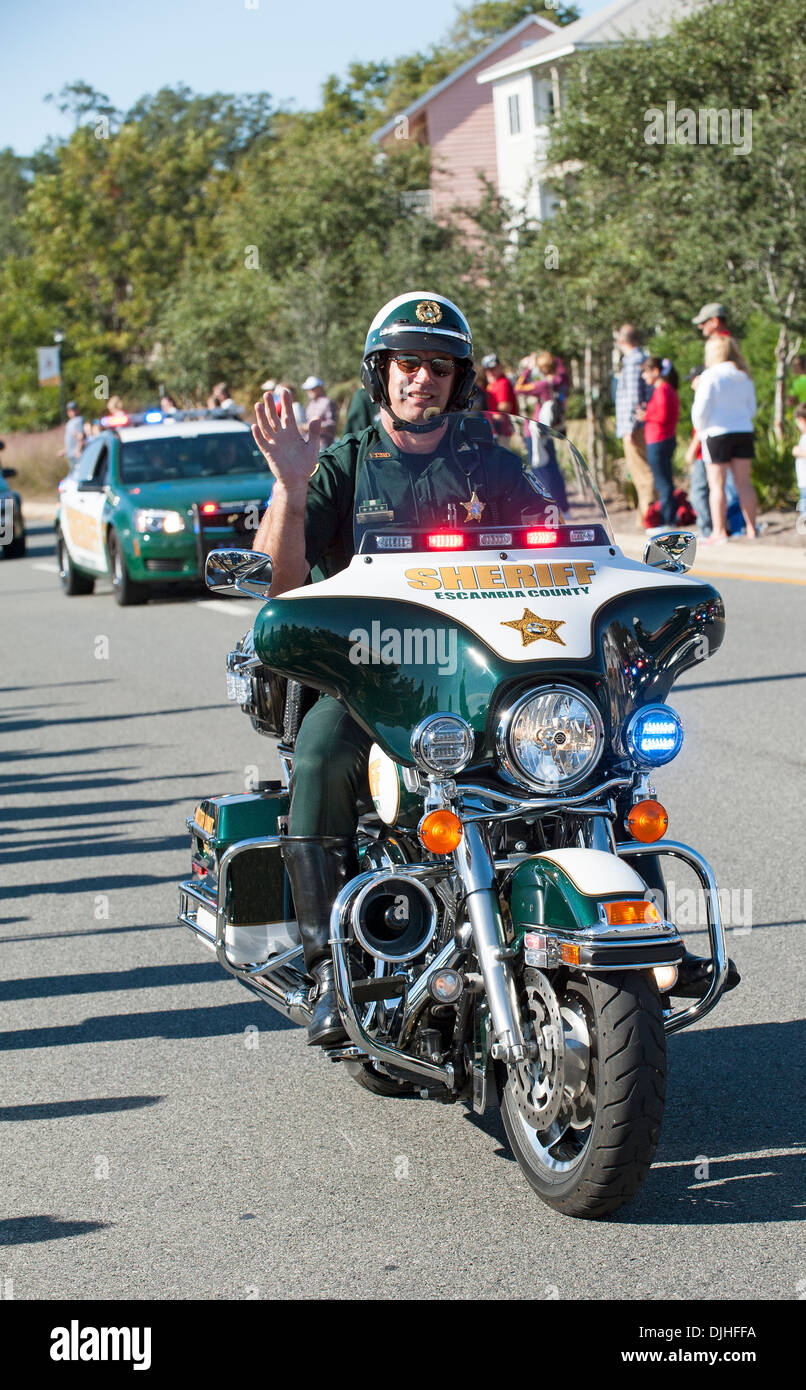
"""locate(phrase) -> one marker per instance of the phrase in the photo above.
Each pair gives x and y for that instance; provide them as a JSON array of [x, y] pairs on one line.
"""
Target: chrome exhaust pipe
[[339, 942]]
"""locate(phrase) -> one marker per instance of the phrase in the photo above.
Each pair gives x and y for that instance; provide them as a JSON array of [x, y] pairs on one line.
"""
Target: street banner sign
[[48, 366]]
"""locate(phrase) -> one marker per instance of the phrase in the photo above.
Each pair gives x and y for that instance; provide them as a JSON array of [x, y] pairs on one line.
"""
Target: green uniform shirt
[[418, 489], [362, 412]]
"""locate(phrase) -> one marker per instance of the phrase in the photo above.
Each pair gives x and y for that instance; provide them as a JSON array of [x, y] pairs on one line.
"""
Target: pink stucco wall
[[461, 130]]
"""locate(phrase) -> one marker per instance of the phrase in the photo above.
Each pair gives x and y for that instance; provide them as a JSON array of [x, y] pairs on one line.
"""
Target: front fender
[[560, 896]]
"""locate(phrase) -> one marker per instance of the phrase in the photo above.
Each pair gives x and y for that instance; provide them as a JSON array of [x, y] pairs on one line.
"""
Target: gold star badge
[[474, 507], [531, 628], [428, 311]]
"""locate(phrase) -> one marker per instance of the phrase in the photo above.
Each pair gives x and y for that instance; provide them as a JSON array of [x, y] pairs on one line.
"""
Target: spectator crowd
[[720, 496]]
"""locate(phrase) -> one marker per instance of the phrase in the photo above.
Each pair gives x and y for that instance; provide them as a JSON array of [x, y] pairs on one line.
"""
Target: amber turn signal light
[[647, 821], [440, 831], [631, 912]]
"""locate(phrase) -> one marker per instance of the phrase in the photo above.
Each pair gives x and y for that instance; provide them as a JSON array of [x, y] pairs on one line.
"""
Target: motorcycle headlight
[[654, 735], [167, 522], [550, 738], [442, 743]]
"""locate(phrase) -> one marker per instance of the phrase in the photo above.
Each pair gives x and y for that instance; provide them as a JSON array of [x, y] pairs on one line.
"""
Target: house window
[[544, 102], [514, 107]]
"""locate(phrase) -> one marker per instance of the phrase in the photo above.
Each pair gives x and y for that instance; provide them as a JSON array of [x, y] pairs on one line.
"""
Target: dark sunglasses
[[411, 362]]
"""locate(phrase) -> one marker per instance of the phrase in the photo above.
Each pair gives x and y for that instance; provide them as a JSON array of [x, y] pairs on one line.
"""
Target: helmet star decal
[[532, 628], [474, 507], [428, 311]]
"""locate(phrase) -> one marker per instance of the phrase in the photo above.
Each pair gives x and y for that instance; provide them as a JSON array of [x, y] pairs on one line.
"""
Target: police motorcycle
[[504, 942]]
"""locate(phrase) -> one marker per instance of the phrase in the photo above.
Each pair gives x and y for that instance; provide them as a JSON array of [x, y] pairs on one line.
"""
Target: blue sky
[[211, 45]]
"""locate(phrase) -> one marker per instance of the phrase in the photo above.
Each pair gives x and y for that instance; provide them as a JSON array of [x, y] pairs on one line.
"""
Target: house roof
[[466, 67], [622, 19]]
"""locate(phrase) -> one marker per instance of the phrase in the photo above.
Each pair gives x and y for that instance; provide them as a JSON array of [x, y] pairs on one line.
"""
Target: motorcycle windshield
[[476, 482]]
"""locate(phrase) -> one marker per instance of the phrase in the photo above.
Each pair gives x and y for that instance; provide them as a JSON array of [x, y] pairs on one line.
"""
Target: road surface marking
[[794, 1152], [756, 578], [46, 566]]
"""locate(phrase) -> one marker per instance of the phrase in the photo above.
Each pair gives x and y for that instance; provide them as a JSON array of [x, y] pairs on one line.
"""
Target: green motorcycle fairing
[[641, 641]]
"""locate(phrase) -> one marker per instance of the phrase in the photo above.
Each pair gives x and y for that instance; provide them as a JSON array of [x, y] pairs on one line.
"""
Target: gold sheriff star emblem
[[428, 311], [532, 628], [474, 507]]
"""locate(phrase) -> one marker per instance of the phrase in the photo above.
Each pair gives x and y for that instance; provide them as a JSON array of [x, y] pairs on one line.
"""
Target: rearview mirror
[[247, 571], [675, 551]]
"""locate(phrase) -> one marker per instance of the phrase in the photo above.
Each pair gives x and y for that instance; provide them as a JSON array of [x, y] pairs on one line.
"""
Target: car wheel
[[71, 581], [126, 590], [16, 548]]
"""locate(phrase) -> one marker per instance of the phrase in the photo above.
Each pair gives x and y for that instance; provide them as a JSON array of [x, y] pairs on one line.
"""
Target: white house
[[527, 91]]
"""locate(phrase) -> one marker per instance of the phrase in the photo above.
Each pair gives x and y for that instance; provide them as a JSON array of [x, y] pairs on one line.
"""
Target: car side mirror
[[248, 571], [9, 472], [675, 551]]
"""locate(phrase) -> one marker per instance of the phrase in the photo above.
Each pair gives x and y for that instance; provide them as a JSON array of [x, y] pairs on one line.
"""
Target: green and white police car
[[152, 495]]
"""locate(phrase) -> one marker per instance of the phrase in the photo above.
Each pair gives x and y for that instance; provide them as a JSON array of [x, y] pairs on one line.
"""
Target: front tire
[[603, 1130], [126, 590], [71, 580]]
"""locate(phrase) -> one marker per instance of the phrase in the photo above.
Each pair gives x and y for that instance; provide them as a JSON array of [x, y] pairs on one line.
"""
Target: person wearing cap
[[320, 407], [417, 368], [713, 320], [501, 398], [73, 435]]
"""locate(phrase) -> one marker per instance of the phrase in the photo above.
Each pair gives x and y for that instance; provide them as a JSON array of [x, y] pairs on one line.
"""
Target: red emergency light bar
[[208, 508], [445, 540], [541, 537]]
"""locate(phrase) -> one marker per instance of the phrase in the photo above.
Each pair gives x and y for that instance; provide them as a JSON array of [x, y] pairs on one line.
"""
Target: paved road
[[151, 1151]]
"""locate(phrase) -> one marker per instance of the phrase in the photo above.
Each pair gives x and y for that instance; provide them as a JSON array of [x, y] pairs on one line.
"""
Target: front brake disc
[[538, 1085]]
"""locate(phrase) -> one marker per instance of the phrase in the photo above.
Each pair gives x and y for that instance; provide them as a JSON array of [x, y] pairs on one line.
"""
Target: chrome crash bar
[[676, 1019], [276, 980], [543, 804]]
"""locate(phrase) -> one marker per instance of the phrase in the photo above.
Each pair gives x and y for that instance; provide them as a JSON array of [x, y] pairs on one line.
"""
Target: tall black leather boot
[[318, 867]]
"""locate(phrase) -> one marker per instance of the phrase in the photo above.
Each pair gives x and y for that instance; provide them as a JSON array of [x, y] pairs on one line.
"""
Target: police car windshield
[[489, 480], [167, 459]]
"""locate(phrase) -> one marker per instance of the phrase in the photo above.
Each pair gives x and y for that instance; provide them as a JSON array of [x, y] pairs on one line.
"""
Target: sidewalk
[[739, 559]]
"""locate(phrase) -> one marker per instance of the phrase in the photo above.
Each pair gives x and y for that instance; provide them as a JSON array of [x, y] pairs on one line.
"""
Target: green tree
[[708, 219]]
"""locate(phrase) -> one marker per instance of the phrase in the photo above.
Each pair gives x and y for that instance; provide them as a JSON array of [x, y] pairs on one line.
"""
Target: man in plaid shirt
[[632, 391]]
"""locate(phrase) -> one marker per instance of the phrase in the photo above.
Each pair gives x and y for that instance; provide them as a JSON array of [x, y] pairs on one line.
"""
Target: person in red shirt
[[501, 398], [660, 416]]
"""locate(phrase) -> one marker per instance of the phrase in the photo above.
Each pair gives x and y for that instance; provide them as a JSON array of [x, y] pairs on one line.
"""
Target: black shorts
[[721, 448]]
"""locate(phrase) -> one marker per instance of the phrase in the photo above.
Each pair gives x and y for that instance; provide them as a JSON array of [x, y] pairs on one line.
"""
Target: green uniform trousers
[[329, 775]]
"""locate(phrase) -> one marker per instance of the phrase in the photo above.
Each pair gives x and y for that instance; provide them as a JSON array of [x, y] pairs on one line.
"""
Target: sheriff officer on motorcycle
[[417, 366]]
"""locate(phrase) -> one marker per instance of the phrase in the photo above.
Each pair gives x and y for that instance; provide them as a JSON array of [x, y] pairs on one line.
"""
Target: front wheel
[[126, 590], [584, 1118]]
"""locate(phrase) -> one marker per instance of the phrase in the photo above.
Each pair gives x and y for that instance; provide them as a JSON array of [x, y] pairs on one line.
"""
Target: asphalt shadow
[[140, 977], [66, 1109], [213, 1022], [29, 1230]]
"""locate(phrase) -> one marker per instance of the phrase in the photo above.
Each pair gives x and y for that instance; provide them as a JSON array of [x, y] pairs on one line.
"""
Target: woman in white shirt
[[722, 414]]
